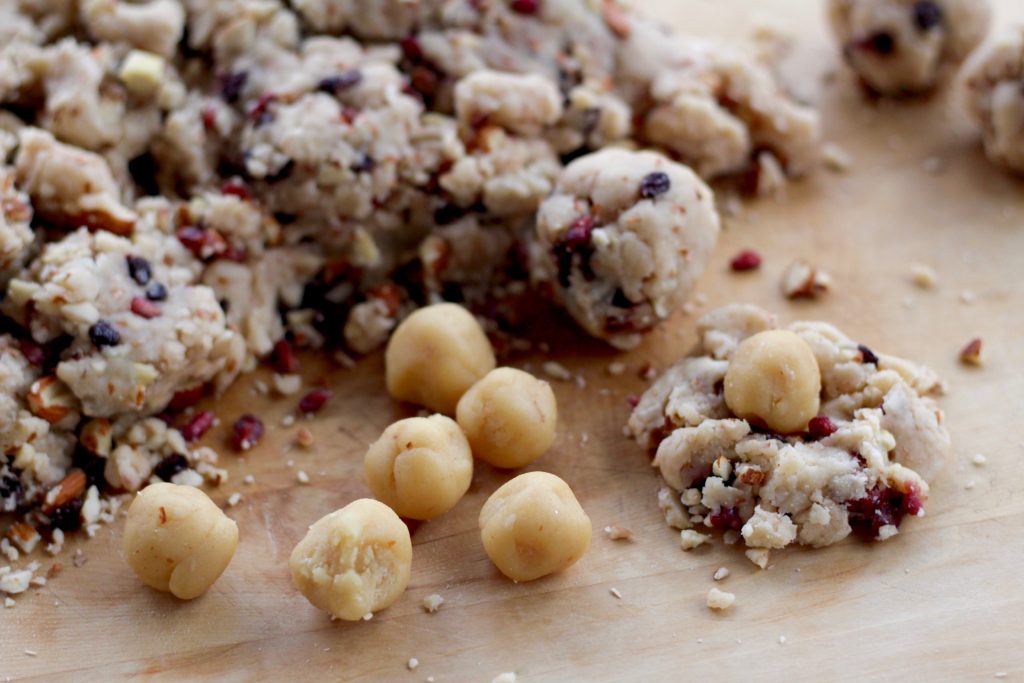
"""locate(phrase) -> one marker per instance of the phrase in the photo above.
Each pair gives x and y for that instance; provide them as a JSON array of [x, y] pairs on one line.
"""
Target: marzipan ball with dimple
[[435, 355], [534, 526], [177, 540], [421, 467], [355, 561], [509, 417], [773, 379]]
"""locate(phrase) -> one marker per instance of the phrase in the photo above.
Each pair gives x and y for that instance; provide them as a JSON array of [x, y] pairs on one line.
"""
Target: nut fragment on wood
[[51, 399], [971, 353], [618, 533], [70, 487], [801, 280], [24, 536]]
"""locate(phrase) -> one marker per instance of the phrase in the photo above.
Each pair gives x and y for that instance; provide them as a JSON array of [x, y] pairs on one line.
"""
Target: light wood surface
[[942, 601]]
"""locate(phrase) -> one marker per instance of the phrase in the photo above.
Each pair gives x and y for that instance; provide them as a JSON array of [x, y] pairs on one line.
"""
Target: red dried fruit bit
[[579, 231], [882, 506], [315, 400], [209, 118], [246, 432], [633, 400], [411, 47], [820, 427], [204, 244], [144, 308], [186, 398], [198, 425], [34, 353], [748, 259], [525, 6], [388, 293], [260, 110], [235, 187], [284, 359], [726, 519]]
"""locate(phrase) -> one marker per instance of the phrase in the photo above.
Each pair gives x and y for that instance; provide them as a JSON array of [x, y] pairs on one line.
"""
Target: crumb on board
[[782, 640], [836, 159], [801, 280], [615, 593], [304, 438], [618, 533], [433, 602], [759, 556], [720, 600], [557, 371], [979, 460], [970, 354], [967, 297], [412, 663], [690, 539], [234, 499], [249, 479], [368, 616], [506, 677], [616, 368], [969, 485], [721, 573], [923, 276], [302, 477]]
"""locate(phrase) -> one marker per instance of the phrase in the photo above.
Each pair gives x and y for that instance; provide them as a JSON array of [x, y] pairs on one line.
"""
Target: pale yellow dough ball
[[435, 355], [509, 417], [421, 467], [773, 378], [177, 540], [355, 561], [534, 526]]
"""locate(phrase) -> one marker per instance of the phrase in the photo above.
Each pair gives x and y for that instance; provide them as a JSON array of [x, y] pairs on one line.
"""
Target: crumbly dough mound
[[355, 561], [177, 540], [991, 84], [860, 465], [15, 225], [623, 239], [905, 46]]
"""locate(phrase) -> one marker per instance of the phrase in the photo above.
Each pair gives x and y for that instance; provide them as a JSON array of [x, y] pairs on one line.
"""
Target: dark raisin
[[424, 81], [144, 308], [284, 359], [156, 291], [927, 15], [745, 260], [246, 432], [881, 43], [143, 170], [68, 517], [343, 81], [10, 485], [726, 519], [867, 355], [103, 334], [140, 269], [654, 184], [820, 427], [525, 6], [364, 164], [232, 84], [448, 213], [620, 300], [171, 465], [92, 464], [315, 400], [198, 425], [34, 353]]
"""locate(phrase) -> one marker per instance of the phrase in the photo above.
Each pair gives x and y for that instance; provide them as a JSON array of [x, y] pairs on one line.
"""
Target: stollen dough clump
[[623, 239], [860, 464], [355, 561], [177, 540], [991, 86], [905, 46]]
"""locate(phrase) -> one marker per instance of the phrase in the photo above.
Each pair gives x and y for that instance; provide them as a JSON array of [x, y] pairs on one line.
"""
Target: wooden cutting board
[[942, 601]]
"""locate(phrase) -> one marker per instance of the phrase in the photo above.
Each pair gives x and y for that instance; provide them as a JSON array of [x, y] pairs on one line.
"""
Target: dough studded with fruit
[[992, 92], [623, 239], [906, 46]]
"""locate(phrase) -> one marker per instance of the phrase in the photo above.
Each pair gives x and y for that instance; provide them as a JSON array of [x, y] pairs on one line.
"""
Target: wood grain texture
[[942, 601]]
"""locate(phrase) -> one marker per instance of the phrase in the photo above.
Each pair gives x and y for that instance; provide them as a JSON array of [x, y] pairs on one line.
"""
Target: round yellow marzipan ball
[[435, 355], [355, 561], [177, 540], [420, 467], [773, 378], [509, 417], [534, 526]]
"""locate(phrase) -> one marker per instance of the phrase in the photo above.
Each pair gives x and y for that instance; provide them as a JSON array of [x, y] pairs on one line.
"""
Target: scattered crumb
[[287, 420], [690, 539], [700, 641], [967, 297], [759, 556], [618, 533], [969, 485], [304, 438], [720, 600], [31, 653], [368, 616], [557, 371], [507, 677], [344, 360], [286, 385], [9, 603], [979, 460], [78, 559], [801, 280], [721, 573], [933, 166], [971, 353], [836, 158], [430, 679], [648, 372], [432, 602], [234, 499], [412, 663], [730, 537], [302, 477], [615, 369], [887, 532], [249, 479], [584, 439], [260, 387], [615, 593], [290, 463], [1000, 674], [782, 640], [923, 276]]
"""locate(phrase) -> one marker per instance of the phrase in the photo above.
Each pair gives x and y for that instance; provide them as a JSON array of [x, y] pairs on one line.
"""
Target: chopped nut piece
[[302, 477], [557, 371], [618, 533], [720, 600], [721, 573], [432, 602], [759, 556], [971, 354], [97, 436], [690, 539], [234, 499], [51, 399], [142, 72], [24, 536], [412, 663], [304, 438], [801, 280], [979, 460], [836, 158], [615, 593], [923, 276], [70, 488]]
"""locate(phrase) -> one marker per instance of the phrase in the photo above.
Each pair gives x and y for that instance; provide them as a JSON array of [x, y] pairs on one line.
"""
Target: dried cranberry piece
[[411, 48], [867, 355], [882, 506], [246, 432], [103, 334], [140, 269], [748, 259], [654, 184], [343, 81], [927, 15], [633, 400], [525, 6], [820, 427], [284, 359], [144, 308], [170, 466], [315, 400], [235, 187], [198, 425], [579, 231], [204, 244], [186, 398], [424, 81], [34, 353], [156, 291], [232, 84], [68, 517], [209, 118], [260, 112], [726, 519]]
